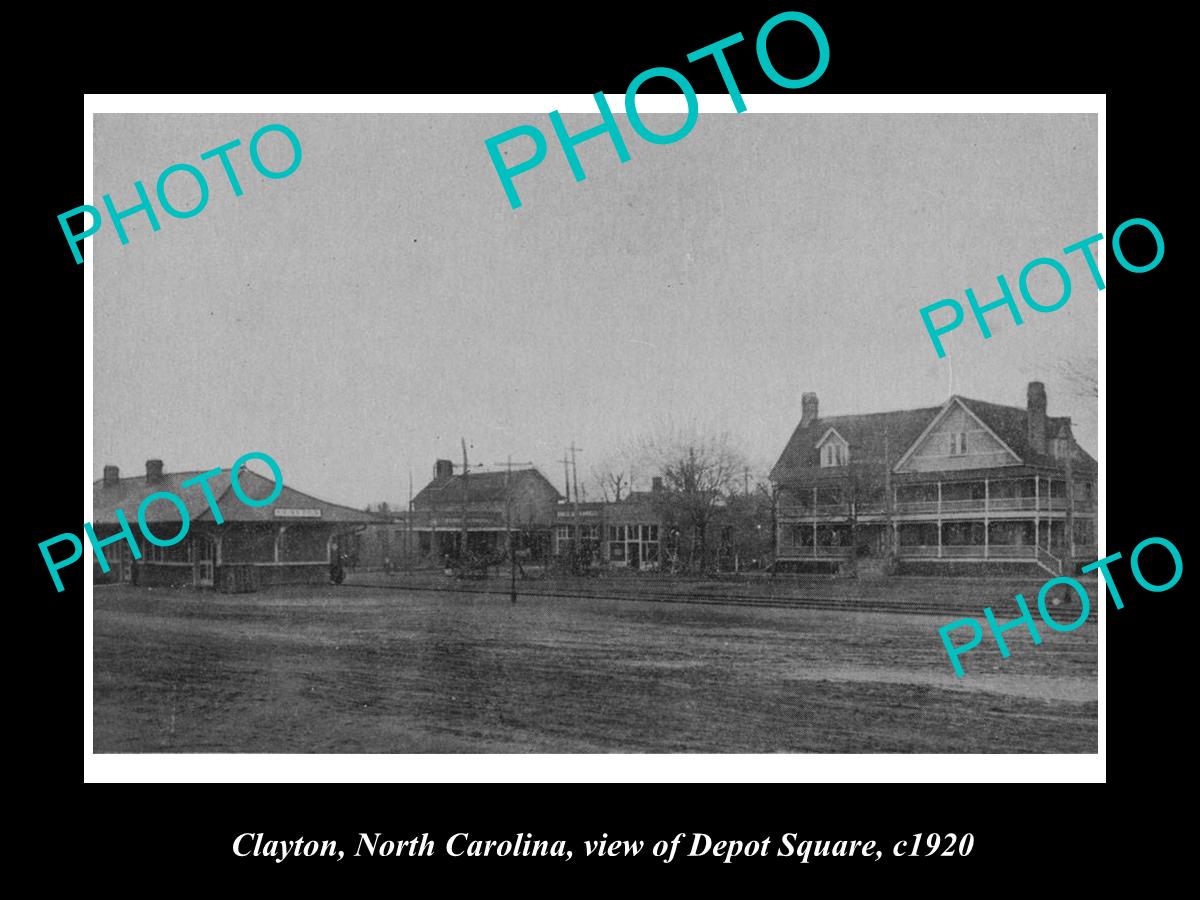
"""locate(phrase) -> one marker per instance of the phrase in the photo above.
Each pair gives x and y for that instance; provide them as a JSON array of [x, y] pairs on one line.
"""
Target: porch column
[[814, 546], [1037, 515], [987, 501], [939, 520]]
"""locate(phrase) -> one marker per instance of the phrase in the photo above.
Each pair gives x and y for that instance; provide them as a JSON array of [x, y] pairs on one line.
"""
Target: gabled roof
[[866, 435], [1011, 425], [482, 487], [834, 432], [955, 402], [128, 493]]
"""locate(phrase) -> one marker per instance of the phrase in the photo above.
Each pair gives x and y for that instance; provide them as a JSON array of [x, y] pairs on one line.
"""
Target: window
[[833, 454], [829, 496], [958, 443], [176, 553], [589, 532], [564, 532]]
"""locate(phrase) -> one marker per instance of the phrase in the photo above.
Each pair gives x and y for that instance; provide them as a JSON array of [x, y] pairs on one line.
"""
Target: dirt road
[[373, 670]]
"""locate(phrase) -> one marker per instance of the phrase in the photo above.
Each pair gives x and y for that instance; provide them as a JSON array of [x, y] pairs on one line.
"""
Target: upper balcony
[[948, 499]]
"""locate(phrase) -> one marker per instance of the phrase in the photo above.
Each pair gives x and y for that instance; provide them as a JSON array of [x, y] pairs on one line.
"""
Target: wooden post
[[887, 498], [1037, 514], [939, 520], [578, 545], [512, 556], [987, 491], [1070, 520], [566, 461], [462, 550]]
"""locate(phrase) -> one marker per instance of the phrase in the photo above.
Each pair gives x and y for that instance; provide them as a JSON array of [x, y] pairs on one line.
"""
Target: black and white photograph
[[666, 460]]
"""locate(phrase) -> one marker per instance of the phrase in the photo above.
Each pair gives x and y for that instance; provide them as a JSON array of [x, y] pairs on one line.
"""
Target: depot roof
[[127, 495]]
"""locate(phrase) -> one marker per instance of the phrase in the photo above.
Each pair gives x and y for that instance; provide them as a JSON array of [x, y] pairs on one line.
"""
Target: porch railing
[[786, 552], [969, 551]]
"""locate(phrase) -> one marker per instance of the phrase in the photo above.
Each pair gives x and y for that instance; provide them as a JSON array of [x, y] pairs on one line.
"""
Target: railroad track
[[749, 601]]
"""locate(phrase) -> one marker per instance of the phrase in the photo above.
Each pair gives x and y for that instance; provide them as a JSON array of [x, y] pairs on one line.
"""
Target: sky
[[359, 317]]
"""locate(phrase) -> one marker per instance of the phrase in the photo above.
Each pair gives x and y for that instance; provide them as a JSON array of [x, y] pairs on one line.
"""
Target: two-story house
[[967, 482], [496, 508]]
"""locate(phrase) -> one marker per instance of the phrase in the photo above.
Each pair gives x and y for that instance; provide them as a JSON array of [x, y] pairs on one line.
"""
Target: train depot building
[[295, 539]]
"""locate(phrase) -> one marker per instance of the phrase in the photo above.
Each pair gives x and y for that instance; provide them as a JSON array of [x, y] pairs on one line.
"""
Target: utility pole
[[566, 475], [575, 480], [435, 549], [566, 461], [462, 550], [408, 547], [889, 525], [512, 556], [1070, 518]]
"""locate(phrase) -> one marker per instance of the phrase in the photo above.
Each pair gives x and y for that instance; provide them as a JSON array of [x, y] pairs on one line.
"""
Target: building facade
[[295, 539], [627, 533], [966, 482], [496, 508]]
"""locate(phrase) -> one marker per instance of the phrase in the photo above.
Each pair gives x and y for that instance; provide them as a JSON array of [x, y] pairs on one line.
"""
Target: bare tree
[[699, 471], [748, 524], [1083, 377], [613, 476]]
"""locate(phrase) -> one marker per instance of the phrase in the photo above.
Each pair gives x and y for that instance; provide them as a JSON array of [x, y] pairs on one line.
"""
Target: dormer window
[[834, 450], [958, 443]]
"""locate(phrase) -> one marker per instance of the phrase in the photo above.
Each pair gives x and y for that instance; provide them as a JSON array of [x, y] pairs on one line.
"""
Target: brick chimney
[[1036, 405], [656, 483], [112, 475], [154, 471], [443, 468], [808, 409]]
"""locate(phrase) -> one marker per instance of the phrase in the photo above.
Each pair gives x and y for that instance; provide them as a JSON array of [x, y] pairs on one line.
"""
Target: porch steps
[[872, 567], [1049, 562]]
